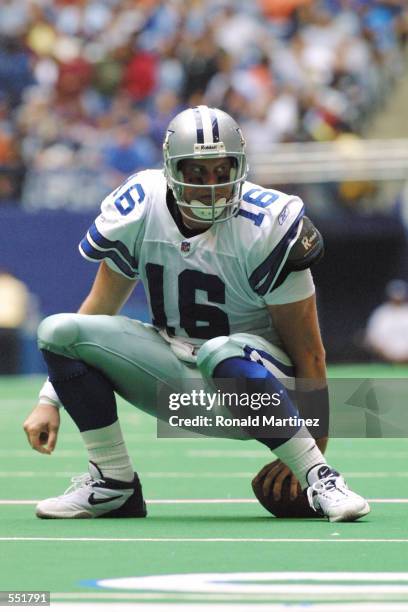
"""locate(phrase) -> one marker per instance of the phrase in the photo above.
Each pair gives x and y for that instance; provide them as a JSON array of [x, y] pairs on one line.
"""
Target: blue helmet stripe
[[214, 122], [199, 125]]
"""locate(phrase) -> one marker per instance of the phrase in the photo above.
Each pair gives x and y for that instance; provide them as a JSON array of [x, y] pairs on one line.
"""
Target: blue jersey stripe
[[93, 253], [214, 123], [104, 243], [270, 266], [267, 284], [199, 125]]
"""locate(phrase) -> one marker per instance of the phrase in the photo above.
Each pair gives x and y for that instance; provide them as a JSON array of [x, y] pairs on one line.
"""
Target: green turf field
[[203, 522]]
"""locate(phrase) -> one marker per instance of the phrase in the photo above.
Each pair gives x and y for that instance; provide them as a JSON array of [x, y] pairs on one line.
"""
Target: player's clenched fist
[[41, 427]]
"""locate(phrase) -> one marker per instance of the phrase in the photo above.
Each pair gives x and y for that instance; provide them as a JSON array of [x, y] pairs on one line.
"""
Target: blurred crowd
[[87, 87], [386, 335]]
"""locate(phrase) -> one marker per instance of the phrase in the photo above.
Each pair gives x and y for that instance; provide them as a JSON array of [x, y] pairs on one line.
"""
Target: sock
[[107, 449], [301, 454]]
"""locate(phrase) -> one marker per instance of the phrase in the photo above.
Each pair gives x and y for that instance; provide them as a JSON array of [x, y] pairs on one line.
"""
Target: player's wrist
[[48, 395]]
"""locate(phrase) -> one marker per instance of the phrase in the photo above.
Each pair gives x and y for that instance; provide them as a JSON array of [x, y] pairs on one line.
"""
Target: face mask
[[202, 211]]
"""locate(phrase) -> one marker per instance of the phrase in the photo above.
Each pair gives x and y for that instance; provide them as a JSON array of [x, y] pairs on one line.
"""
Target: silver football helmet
[[205, 133]]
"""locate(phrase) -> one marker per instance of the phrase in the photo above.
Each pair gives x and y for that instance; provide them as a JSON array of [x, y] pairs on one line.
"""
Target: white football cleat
[[93, 496], [331, 497]]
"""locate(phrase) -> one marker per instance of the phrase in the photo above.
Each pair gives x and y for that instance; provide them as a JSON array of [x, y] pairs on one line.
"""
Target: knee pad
[[246, 346], [212, 352], [58, 332]]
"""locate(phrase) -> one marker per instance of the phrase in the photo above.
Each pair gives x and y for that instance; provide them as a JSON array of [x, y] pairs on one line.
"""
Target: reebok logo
[[284, 215], [94, 501]]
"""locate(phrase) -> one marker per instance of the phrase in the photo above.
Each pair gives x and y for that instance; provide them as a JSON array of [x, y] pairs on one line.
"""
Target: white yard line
[[213, 540], [25, 502], [176, 475], [189, 475]]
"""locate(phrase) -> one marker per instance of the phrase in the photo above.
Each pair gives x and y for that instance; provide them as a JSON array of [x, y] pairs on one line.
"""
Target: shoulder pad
[[308, 248]]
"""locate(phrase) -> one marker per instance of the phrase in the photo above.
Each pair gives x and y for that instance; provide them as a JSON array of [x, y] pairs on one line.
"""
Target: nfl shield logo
[[185, 246]]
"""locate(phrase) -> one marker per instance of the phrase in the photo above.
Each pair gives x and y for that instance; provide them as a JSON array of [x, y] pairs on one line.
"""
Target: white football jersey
[[213, 284]]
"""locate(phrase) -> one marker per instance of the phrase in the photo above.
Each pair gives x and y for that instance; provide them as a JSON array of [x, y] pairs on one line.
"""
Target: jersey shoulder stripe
[[118, 230], [104, 243], [262, 278], [95, 247], [88, 251]]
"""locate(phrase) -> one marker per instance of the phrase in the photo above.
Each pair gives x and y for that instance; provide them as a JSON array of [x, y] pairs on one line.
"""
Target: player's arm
[[298, 327], [292, 306], [109, 292], [293, 311], [113, 237]]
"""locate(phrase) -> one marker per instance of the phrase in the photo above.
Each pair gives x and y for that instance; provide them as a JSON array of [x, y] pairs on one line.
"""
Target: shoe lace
[[83, 480], [330, 484]]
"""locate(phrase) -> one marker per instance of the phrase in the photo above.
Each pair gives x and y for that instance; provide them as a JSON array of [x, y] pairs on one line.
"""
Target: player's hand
[[275, 474], [41, 427]]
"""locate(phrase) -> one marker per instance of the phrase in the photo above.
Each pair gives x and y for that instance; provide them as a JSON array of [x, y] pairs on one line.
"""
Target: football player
[[225, 265]]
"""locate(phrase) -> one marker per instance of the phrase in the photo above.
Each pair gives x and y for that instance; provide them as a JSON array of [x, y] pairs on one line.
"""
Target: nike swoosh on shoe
[[95, 501]]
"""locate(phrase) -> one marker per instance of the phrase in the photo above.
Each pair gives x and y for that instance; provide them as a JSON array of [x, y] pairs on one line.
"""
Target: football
[[285, 507]]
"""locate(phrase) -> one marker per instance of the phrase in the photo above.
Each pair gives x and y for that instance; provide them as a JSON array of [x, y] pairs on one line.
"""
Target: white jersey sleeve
[[296, 287], [117, 233], [271, 236]]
